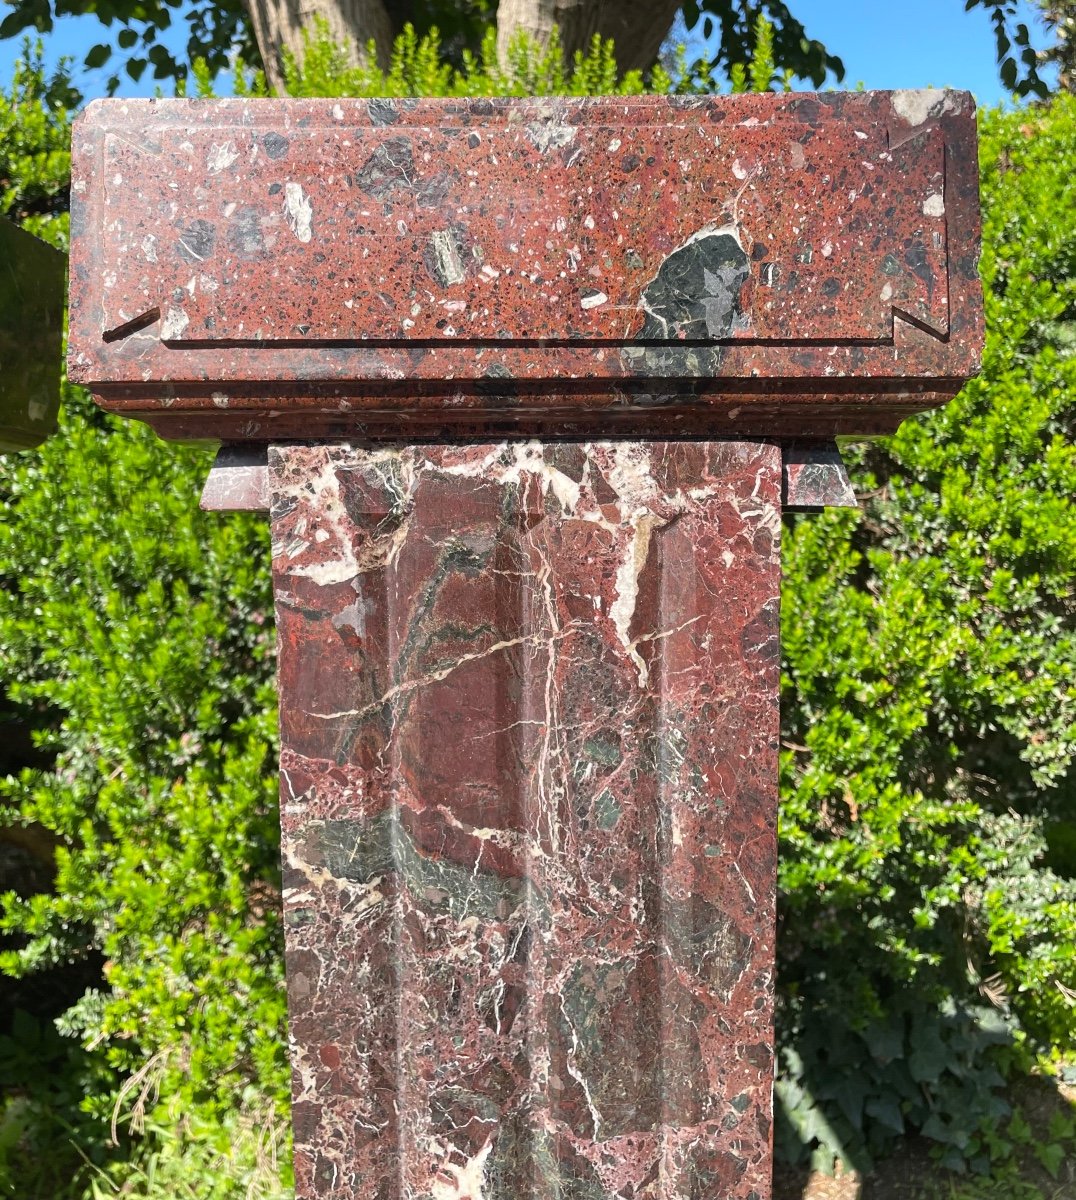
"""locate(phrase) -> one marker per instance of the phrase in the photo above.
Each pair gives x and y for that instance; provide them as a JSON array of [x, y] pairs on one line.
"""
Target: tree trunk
[[637, 27], [278, 25]]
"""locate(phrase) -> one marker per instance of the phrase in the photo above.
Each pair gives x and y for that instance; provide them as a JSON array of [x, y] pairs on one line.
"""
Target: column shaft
[[529, 728]]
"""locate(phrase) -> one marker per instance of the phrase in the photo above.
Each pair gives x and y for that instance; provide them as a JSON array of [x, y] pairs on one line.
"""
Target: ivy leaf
[[885, 1040], [849, 1095], [930, 1056], [1051, 1155], [886, 1110]]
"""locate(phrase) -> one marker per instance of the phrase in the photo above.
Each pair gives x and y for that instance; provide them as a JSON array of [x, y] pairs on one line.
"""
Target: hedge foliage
[[928, 822], [136, 643], [928, 909]]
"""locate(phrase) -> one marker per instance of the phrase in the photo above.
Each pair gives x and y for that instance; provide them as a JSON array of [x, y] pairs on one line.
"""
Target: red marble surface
[[528, 774], [815, 478], [699, 266]]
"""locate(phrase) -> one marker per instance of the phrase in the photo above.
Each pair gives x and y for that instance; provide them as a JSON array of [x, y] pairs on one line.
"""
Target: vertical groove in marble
[[672, 1072], [393, 1163], [529, 733], [532, 715]]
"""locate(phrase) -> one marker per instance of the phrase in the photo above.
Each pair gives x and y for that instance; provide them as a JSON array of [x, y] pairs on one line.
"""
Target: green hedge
[[928, 932], [136, 642], [927, 919]]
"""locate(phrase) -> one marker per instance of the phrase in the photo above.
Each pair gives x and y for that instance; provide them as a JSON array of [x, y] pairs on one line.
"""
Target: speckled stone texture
[[528, 774], [722, 266]]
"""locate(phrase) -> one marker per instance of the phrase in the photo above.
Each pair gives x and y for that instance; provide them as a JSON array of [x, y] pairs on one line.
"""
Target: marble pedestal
[[528, 689], [528, 766]]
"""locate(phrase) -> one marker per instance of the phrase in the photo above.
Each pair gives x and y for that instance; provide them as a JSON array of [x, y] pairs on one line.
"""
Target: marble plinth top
[[773, 265]]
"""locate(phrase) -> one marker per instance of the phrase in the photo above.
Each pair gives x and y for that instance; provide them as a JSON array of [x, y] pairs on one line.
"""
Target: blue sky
[[910, 43], [913, 43]]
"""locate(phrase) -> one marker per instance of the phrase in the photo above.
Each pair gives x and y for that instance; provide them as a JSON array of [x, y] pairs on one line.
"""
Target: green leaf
[[885, 1040], [929, 1058], [849, 1094], [15, 22], [886, 1110], [98, 55], [1051, 1155]]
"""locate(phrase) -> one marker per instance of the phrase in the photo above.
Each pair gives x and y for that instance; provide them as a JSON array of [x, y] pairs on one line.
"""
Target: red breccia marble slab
[[529, 732], [704, 266]]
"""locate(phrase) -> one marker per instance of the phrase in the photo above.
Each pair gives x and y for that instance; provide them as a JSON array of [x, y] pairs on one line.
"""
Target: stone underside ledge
[[813, 477]]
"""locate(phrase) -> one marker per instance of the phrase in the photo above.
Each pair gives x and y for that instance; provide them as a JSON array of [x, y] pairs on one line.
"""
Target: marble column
[[528, 768]]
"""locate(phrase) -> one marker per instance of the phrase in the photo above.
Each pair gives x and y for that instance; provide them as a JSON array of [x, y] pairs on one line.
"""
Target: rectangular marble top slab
[[772, 265]]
